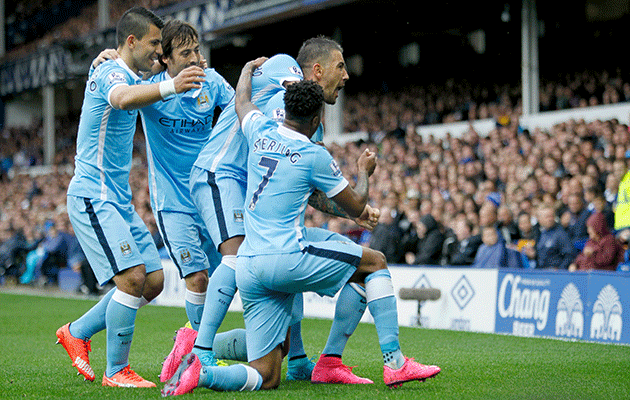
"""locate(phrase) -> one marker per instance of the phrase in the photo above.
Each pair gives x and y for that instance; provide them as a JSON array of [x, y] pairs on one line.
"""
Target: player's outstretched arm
[[137, 96], [353, 201], [243, 92]]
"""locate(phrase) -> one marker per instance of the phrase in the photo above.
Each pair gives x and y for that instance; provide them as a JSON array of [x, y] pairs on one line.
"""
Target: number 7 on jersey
[[271, 165]]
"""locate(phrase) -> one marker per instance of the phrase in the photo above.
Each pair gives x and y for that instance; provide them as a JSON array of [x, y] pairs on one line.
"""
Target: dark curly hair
[[303, 100]]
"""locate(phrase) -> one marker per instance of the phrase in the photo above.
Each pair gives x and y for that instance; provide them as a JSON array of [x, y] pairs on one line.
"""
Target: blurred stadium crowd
[[476, 200]]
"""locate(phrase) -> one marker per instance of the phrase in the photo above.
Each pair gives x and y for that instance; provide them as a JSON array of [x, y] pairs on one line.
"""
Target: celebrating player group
[[239, 188]]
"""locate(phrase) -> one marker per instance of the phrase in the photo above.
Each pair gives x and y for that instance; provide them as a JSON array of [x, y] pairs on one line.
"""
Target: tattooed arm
[[352, 200]]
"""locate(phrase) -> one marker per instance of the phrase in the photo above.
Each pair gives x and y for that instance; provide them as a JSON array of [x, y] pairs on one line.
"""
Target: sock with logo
[[194, 307], [120, 318], [230, 345], [382, 304], [238, 377], [349, 310], [221, 290], [93, 320]]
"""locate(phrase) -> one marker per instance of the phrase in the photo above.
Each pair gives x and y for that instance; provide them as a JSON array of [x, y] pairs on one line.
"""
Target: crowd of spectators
[[509, 198], [454, 101], [36, 237]]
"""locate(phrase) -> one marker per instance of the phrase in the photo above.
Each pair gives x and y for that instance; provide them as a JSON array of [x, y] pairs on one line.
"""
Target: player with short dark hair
[[117, 244]]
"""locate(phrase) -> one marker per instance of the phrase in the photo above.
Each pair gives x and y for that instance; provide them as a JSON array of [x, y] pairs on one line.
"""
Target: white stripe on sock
[[126, 299], [195, 297], [358, 288], [253, 378], [379, 288]]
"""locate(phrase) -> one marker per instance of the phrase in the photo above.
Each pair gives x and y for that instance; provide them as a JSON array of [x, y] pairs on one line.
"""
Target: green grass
[[474, 365]]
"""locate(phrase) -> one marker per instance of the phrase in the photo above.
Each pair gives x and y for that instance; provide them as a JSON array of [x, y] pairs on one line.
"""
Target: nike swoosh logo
[[225, 294]]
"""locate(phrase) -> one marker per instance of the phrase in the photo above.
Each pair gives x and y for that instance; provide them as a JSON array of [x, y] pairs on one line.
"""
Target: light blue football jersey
[[226, 149], [176, 129], [284, 168], [274, 109], [105, 137]]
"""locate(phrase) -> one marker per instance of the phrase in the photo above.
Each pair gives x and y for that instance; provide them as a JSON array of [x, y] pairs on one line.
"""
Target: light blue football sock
[[296, 348], [194, 303], [382, 304], [238, 377], [93, 321], [349, 310], [230, 345], [120, 318], [221, 290]]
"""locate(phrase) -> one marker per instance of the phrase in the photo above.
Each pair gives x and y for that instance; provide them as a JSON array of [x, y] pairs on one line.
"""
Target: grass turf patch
[[474, 365]]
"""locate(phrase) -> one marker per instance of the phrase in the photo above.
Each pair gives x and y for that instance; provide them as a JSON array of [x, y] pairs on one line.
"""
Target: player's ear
[[315, 121], [131, 41], [318, 70]]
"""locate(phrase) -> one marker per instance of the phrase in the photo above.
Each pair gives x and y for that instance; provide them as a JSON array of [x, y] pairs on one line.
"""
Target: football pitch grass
[[474, 365]]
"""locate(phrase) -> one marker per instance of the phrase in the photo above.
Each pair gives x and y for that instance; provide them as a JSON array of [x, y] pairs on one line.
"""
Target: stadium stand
[[452, 178]]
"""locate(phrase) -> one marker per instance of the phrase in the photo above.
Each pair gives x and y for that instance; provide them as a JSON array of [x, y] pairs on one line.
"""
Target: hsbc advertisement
[[578, 305]]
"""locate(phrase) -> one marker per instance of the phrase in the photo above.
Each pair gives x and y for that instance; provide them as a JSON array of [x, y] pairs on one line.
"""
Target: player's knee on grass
[[197, 281], [270, 367]]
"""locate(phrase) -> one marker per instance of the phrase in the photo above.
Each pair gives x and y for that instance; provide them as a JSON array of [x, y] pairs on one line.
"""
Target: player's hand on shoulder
[[367, 161], [189, 78], [107, 54], [253, 64]]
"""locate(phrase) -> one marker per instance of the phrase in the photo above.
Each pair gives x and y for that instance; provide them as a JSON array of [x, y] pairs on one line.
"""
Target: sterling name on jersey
[[226, 150], [176, 129], [284, 168], [105, 137]]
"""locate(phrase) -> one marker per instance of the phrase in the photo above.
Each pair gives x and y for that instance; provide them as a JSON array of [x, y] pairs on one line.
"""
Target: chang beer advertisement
[[608, 306], [535, 303]]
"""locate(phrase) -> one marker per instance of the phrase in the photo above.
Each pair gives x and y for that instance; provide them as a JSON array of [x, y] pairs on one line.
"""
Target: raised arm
[[243, 95], [354, 200]]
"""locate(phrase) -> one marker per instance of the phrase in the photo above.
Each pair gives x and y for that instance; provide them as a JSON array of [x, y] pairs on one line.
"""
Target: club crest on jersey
[[203, 100], [185, 256], [116, 77], [238, 216], [296, 70], [335, 168], [93, 86], [125, 248]]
